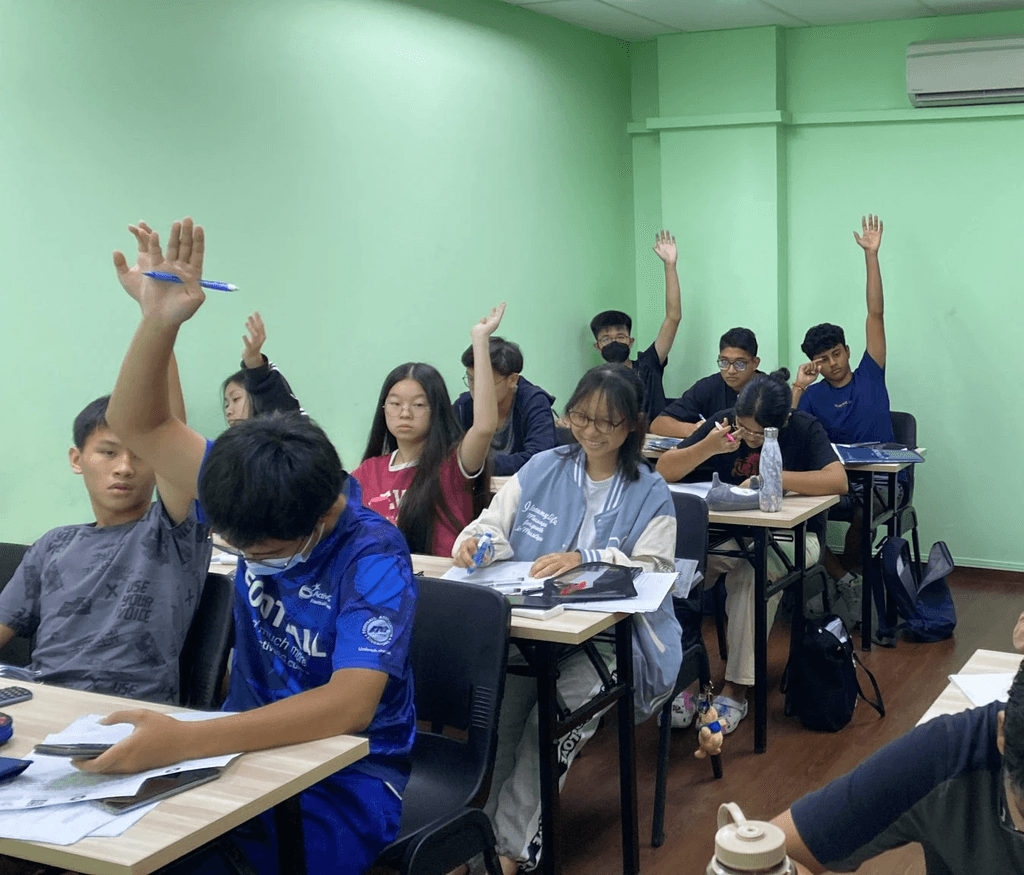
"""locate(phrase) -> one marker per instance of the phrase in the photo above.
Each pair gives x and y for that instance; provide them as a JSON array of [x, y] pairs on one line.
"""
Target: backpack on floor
[[820, 680], [926, 606]]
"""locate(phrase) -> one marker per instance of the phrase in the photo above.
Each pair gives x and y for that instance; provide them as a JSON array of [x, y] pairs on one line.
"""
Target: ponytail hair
[[767, 399]]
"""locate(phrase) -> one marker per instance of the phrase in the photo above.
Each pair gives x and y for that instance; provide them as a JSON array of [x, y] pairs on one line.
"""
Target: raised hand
[[131, 277], [252, 357], [806, 374], [665, 247], [175, 303], [489, 323], [870, 237]]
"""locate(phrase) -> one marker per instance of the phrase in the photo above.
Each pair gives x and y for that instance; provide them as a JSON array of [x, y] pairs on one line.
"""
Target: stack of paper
[[48, 802]]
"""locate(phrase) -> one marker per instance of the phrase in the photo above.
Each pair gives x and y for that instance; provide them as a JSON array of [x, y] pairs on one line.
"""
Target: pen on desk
[[206, 284], [481, 551]]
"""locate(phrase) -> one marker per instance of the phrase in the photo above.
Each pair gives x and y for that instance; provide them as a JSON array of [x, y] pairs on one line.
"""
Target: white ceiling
[[644, 19]]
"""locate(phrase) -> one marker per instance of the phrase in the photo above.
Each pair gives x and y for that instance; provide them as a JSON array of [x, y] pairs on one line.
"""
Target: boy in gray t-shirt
[[109, 603]]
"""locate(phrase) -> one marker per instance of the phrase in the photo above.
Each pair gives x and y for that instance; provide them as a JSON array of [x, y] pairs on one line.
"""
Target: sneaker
[[849, 603], [684, 710], [730, 712]]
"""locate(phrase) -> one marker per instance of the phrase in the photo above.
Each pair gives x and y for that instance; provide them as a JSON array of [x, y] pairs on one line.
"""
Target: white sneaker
[[684, 709], [850, 603]]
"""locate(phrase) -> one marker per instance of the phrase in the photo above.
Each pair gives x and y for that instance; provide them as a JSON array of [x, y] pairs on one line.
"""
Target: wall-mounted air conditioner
[[963, 72]]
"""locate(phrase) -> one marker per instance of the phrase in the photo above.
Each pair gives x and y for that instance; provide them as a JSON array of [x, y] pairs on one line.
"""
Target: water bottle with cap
[[770, 469], [747, 846]]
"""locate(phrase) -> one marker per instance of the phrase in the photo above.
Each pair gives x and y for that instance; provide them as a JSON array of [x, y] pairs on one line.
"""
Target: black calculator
[[13, 695]]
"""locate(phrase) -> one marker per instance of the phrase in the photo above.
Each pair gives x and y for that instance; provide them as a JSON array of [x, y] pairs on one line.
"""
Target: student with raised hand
[[729, 444], [419, 470], [737, 366], [595, 500], [954, 785], [526, 423], [109, 603], [259, 387], [612, 330], [853, 405], [274, 488]]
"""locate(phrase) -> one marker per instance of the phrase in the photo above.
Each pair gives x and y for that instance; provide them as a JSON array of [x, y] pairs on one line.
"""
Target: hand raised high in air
[[168, 302], [131, 277], [870, 237]]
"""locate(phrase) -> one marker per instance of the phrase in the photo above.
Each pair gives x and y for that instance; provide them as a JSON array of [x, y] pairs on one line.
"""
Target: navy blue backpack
[[926, 606]]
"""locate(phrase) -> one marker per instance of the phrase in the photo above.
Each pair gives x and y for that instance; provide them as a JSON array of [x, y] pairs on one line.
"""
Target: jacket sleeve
[[539, 435], [654, 550], [268, 389], [497, 518]]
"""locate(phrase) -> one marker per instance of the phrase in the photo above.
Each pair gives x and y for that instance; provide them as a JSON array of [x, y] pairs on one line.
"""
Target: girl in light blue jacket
[[596, 500]]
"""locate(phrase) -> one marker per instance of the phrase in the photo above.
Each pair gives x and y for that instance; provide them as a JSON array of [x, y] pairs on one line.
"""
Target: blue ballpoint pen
[[206, 284], [481, 551]]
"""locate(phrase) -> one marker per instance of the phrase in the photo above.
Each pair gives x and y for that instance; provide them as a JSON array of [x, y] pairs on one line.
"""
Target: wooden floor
[[797, 760]]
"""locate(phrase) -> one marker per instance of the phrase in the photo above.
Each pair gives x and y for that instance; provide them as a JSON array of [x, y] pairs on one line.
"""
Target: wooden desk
[[540, 641], [756, 526], [886, 513], [249, 785], [951, 700]]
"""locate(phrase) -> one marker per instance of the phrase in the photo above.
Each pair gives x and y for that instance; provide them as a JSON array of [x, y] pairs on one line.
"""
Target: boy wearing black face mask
[[612, 333]]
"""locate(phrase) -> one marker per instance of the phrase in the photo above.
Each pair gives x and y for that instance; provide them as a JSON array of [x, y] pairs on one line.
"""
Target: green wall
[[374, 174], [769, 145]]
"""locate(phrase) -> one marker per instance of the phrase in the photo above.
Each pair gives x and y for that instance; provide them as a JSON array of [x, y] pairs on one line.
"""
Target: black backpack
[[926, 606], [820, 680]]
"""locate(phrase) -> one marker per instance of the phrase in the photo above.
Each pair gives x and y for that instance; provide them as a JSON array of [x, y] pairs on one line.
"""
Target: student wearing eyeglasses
[[419, 471], [737, 365], [595, 500], [613, 338], [729, 444], [954, 785]]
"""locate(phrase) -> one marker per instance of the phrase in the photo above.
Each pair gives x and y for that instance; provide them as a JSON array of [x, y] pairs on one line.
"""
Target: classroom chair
[[204, 656], [459, 654], [18, 650], [691, 543], [904, 429]]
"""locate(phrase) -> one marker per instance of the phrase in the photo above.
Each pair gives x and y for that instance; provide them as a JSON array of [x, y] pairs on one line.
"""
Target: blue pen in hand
[[206, 284], [483, 546]]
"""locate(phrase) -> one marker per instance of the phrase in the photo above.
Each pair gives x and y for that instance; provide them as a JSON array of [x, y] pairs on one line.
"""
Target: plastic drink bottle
[[744, 847]]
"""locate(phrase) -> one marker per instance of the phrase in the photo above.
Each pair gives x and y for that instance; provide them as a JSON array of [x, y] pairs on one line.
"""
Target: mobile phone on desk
[[157, 788], [75, 751], [10, 767]]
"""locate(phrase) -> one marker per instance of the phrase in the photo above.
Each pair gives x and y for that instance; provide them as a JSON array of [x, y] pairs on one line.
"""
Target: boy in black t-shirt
[[737, 366]]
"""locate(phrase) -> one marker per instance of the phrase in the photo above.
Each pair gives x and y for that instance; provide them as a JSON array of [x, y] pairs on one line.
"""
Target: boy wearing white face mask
[[613, 339]]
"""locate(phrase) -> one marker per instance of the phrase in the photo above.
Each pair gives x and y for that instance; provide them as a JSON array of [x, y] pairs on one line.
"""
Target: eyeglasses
[[739, 365], [270, 561], [749, 432], [468, 383], [603, 426], [1005, 818], [416, 408], [612, 338]]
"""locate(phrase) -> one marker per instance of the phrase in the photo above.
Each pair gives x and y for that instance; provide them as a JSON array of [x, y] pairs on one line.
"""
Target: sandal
[[730, 712]]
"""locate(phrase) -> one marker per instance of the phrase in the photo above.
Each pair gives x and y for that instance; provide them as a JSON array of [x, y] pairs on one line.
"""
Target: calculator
[[13, 695]]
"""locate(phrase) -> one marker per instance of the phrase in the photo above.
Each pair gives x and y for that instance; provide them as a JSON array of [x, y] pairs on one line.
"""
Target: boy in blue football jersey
[[324, 594]]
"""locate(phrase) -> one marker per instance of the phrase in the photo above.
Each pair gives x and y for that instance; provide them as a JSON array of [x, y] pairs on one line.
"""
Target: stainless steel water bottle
[[770, 469]]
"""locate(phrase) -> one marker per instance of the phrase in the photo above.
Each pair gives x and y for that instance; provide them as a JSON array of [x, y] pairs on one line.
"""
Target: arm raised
[[476, 443], [665, 247], [869, 240]]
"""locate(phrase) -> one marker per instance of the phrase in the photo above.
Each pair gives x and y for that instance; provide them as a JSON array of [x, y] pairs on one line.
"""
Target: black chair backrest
[[904, 430], [18, 651], [691, 528], [459, 653], [204, 657]]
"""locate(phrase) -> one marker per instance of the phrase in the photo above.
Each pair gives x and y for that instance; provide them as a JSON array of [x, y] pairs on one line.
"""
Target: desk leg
[[547, 704], [867, 539], [760, 640], [627, 748]]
